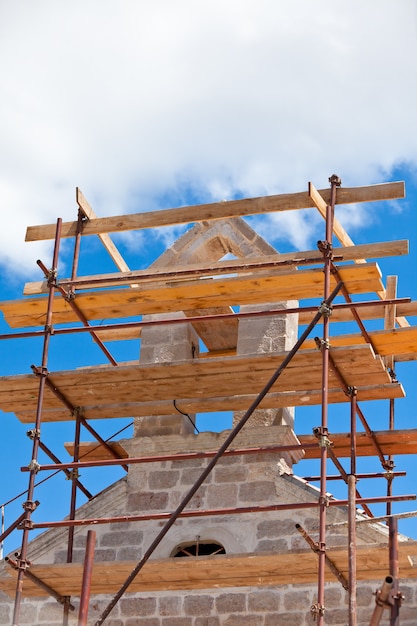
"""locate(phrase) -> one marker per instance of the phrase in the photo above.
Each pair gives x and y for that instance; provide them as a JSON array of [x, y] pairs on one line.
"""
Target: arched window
[[208, 547]]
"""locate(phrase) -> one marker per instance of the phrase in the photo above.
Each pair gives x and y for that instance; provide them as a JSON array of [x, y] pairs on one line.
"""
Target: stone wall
[[235, 481]]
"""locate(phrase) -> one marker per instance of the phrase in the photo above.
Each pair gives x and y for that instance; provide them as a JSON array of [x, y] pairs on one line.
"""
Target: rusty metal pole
[[87, 574], [396, 596], [73, 506], [29, 504], [326, 248], [352, 511]]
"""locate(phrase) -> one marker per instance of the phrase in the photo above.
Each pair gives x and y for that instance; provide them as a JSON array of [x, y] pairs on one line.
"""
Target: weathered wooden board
[[103, 388], [214, 572], [391, 442], [386, 342], [219, 210], [277, 262], [196, 294]]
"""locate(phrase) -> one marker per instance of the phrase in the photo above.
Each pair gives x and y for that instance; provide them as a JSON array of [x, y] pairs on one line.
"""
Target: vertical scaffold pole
[[86, 582], [29, 505], [326, 248], [352, 510], [73, 506]]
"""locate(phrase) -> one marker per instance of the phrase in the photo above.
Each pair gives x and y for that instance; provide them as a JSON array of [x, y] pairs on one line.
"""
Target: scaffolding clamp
[[34, 466], [39, 370], [73, 474], [325, 309], [326, 248], [393, 375], [30, 505], [26, 524], [323, 501], [317, 610], [33, 433], [322, 344], [351, 391], [51, 277], [322, 438]]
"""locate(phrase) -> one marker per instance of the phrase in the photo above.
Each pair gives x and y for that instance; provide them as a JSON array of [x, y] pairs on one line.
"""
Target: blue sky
[[155, 105]]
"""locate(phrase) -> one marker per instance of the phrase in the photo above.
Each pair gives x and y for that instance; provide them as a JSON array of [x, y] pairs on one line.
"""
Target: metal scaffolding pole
[[29, 505], [326, 248]]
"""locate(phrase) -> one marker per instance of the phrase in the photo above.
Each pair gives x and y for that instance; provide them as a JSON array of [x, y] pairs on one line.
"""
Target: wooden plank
[[308, 397], [216, 384], [370, 312], [391, 442], [198, 294], [218, 210], [236, 266], [394, 342], [109, 245], [221, 571]]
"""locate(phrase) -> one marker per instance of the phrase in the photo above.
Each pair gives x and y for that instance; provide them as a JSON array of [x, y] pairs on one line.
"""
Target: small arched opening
[[208, 547]]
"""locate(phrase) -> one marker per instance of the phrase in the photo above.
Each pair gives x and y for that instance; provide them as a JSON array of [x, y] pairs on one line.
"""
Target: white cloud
[[130, 100]]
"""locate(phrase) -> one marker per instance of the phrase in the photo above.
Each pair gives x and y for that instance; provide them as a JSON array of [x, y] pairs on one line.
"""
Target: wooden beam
[[391, 442], [276, 262], [174, 296], [218, 210], [105, 239], [214, 572], [88, 212]]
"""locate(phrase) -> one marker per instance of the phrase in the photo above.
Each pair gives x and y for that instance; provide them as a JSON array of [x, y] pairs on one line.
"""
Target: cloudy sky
[[146, 105]]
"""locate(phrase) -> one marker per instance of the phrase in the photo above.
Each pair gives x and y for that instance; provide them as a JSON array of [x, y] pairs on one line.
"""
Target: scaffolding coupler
[[34, 466], [322, 437], [317, 610], [40, 370], [325, 309], [73, 474], [33, 433]]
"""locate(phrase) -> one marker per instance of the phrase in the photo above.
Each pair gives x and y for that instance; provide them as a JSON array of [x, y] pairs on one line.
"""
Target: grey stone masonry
[[266, 334]]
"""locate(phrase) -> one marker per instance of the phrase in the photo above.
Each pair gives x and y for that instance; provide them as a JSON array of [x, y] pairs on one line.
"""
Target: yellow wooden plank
[[197, 294], [218, 210], [210, 382], [277, 262], [391, 442], [219, 571]]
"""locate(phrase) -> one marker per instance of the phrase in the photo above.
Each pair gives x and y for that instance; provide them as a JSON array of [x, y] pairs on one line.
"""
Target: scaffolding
[[330, 369]]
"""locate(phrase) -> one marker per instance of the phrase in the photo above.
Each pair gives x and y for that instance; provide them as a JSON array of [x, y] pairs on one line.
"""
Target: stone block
[[176, 621], [207, 621], [299, 600], [263, 600], [137, 607], [234, 474], [198, 604], [119, 538], [231, 603], [272, 545], [244, 620], [259, 491], [147, 501], [169, 605], [164, 479], [221, 496], [283, 619]]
